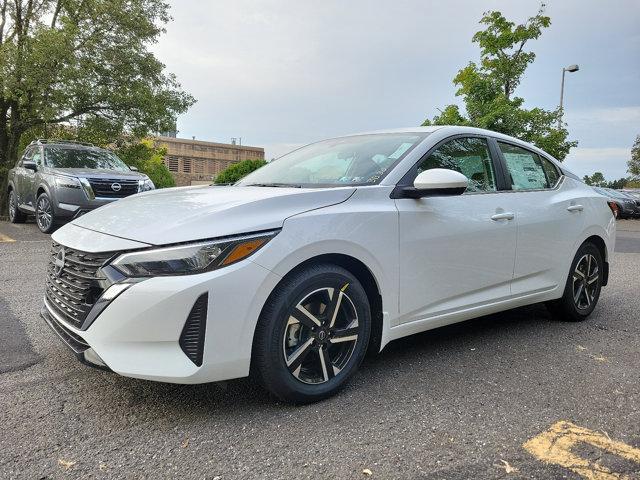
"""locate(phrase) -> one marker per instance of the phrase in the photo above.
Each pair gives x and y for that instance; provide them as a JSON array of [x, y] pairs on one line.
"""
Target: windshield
[[356, 160], [65, 157]]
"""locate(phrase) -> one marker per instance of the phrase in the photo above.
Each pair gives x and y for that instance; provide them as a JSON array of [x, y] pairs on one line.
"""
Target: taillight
[[614, 208]]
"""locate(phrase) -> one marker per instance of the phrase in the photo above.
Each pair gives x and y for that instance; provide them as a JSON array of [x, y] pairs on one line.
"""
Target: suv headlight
[[191, 258], [145, 185], [67, 182]]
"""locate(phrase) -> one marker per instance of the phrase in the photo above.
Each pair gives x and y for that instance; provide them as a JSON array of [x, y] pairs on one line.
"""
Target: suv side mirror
[[132, 168], [436, 182], [29, 165]]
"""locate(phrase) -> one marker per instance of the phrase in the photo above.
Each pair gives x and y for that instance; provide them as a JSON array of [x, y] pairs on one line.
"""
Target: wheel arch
[[600, 244], [366, 278]]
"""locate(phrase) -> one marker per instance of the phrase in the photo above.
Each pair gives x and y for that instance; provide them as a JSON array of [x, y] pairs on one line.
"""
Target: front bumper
[[137, 334]]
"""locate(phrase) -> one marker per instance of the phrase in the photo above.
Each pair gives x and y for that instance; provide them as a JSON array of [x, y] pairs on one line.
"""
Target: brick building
[[193, 162]]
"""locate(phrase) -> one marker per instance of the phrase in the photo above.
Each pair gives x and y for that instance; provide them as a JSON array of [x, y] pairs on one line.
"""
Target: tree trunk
[[9, 144]]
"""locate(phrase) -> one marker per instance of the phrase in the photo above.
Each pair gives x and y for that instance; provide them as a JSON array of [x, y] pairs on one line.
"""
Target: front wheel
[[44, 214], [312, 334], [15, 215], [583, 286]]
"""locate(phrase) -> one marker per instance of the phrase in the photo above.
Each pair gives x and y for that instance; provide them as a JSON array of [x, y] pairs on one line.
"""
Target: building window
[[198, 166], [186, 165], [172, 164]]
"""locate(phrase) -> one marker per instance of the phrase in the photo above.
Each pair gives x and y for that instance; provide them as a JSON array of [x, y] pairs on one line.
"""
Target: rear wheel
[[15, 215], [312, 334], [583, 286], [45, 217]]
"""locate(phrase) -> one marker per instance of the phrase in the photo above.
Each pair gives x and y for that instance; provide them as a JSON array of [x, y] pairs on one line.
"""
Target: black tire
[[45, 217], [15, 215], [290, 356], [582, 290]]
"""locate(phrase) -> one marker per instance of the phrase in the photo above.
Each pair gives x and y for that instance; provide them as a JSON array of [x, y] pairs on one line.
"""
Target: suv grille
[[103, 187], [74, 287]]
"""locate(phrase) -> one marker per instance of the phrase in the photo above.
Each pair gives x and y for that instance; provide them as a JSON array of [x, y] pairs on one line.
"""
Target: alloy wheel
[[586, 278], [321, 335], [12, 206], [44, 213]]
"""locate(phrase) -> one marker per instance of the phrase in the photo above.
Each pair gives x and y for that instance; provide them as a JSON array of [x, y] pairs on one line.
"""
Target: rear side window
[[528, 170], [469, 156]]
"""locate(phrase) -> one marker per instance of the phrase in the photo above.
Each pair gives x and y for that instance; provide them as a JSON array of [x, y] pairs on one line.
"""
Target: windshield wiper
[[280, 185]]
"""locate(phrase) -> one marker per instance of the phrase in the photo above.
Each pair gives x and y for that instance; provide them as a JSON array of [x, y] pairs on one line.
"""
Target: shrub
[[235, 172]]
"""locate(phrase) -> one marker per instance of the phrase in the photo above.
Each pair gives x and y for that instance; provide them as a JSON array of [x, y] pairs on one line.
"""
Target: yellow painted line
[[554, 446], [5, 239]]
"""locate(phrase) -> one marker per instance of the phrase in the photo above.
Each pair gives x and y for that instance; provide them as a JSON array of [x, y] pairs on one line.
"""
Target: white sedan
[[334, 249]]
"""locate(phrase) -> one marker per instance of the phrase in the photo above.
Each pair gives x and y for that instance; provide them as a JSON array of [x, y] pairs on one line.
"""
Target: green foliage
[[598, 180], [634, 162], [487, 88], [147, 159], [86, 65], [235, 172], [595, 180]]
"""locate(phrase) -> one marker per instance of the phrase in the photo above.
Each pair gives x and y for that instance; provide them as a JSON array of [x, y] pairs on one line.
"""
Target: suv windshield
[[356, 160], [66, 157]]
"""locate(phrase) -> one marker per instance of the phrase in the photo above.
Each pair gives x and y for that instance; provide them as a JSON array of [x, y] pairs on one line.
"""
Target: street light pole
[[570, 68]]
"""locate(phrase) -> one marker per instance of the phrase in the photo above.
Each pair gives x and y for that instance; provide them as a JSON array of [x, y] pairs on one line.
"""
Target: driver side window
[[469, 156]]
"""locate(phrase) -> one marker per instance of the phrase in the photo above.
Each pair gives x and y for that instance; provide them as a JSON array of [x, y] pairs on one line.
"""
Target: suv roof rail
[[44, 141]]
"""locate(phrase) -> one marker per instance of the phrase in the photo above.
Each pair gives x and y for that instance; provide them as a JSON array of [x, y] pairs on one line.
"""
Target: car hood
[[176, 215], [99, 173]]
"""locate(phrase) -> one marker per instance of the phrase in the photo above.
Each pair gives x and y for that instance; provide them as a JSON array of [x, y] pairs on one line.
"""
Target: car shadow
[[433, 351]]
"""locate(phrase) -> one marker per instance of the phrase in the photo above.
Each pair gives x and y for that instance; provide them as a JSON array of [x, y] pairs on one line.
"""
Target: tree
[[488, 88], [235, 172], [84, 63], [617, 184], [634, 162], [595, 180], [148, 159]]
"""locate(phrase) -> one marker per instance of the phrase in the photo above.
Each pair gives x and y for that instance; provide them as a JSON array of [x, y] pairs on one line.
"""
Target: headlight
[[145, 185], [191, 258], [67, 182]]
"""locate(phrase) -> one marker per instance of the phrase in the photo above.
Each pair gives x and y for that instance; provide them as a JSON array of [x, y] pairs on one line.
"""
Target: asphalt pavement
[[513, 395]]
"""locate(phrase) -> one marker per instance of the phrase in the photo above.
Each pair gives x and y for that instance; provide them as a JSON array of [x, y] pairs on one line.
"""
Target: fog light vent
[[192, 336]]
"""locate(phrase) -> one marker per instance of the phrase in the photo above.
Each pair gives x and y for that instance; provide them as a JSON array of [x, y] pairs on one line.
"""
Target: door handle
[[502, 216], [575, 208]]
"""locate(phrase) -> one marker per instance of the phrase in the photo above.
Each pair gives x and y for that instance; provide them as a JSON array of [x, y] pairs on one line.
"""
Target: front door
[[456, 252], [29, 186]]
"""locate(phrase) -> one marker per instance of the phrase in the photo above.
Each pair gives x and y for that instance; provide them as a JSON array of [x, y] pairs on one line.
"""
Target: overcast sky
[[282, 73]]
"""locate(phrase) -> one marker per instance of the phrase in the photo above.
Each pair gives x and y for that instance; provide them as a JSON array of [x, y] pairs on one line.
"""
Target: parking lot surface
[[514, 395]]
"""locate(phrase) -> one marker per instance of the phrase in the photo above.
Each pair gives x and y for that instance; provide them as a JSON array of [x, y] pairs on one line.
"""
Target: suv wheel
[[44, 214], [312, 334], [582, 290], [15, 215]]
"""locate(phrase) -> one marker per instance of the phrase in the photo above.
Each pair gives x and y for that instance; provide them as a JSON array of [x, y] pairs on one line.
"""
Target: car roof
[[458, 130]]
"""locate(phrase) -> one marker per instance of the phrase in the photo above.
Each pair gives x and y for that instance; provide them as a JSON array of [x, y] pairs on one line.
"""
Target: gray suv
[[60, 180]]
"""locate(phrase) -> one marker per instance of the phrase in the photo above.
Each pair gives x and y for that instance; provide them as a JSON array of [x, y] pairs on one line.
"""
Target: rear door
[[456, 251], [549, 216]]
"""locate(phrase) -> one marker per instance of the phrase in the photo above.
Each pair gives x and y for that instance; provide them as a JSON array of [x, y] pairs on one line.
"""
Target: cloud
[[612, 162], [282, 73]]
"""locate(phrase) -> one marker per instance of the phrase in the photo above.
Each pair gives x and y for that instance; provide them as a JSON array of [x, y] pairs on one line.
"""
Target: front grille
[[74, 287], [103, 187], [192, 336]]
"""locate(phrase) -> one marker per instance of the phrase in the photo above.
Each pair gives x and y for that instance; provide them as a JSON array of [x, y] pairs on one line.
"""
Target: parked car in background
[[628, 206], [59, 180], [337, 248]]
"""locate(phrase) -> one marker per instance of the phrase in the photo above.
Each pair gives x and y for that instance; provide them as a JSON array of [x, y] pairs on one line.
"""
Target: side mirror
[[132, 168], [29, 165], [435, 182]]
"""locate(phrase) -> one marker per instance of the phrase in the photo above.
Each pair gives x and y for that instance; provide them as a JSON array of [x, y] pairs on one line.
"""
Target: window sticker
[[526, 173], [400, 150]]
